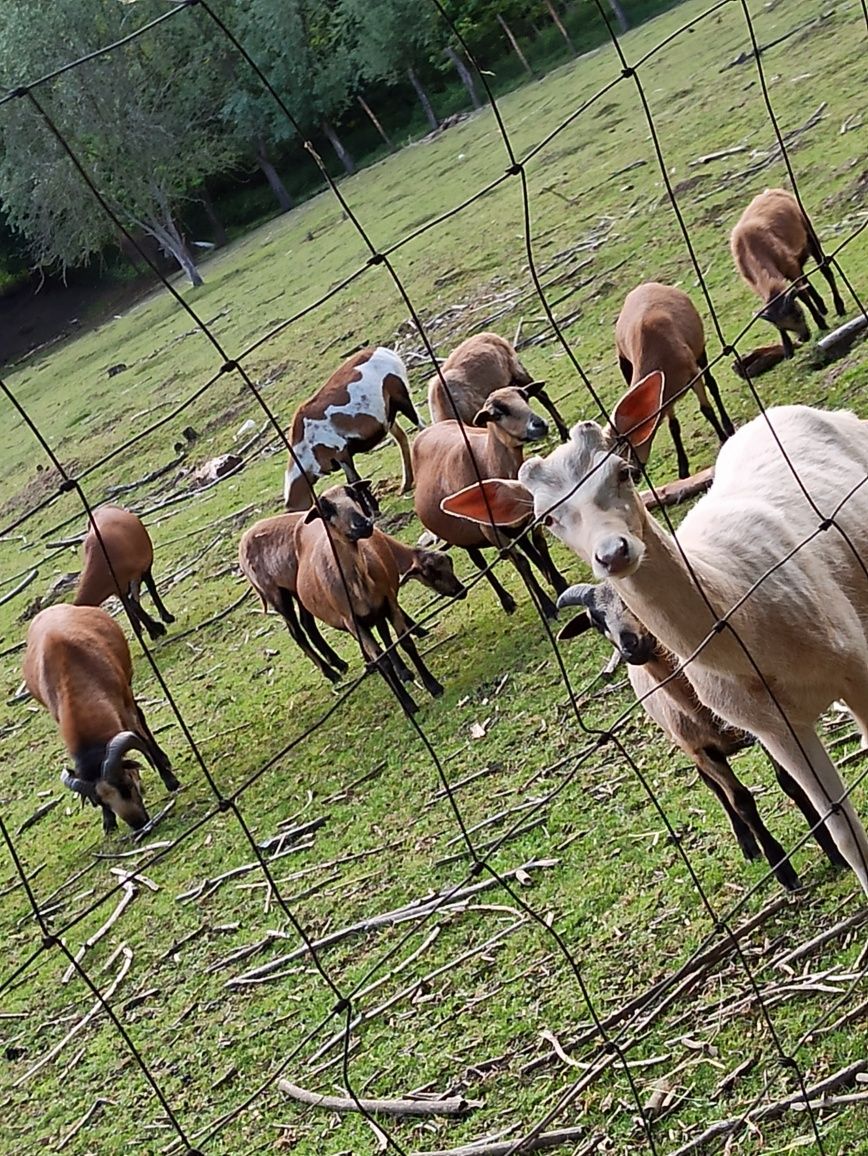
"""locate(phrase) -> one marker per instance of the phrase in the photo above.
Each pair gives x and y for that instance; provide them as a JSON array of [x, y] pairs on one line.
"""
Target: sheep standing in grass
[[756, 554], [475, 369], [770, 244], [659, 329], [77, 664], [668, 698], [352, 413], [449, 455], [267, 557], [118, 557]]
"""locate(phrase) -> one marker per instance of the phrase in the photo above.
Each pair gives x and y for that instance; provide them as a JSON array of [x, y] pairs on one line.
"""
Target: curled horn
[[575, 596], [118, 747], [80, 786]]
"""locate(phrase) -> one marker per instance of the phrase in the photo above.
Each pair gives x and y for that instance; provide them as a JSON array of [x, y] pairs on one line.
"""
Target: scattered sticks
[[130, 891], [558, 1139], [22, 585], [38, 814], [99, 1102]]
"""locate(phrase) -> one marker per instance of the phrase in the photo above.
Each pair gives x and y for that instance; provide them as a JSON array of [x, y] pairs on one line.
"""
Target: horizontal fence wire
[[610, 1044]]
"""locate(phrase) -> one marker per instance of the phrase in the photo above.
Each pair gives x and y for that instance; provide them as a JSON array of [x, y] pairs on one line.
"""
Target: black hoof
[[156, 631]]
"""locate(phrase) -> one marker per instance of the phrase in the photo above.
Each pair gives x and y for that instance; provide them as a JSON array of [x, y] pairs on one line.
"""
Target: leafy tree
[[141, 120]]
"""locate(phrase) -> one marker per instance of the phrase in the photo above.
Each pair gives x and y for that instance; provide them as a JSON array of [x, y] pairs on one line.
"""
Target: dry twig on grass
[[98, 1103], [540, 1143], [38, 814], [130, 891], [455, 1106]]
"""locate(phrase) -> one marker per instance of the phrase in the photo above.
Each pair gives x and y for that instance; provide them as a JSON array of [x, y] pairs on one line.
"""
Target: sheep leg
[[740, 805], [397, 663], [159, 757], [805, 758], [286, 609], [109, 820], [400, 439], [728, 429], [403, 628], [310, 628], [413, 625], [675, 434], [550, 408], [523, 566], [536, 549], [806, 296], [815, 294], [819, 830], [155, 597], [826, 269], [478, 559], [787, 343], [140, 616], [379, 662]]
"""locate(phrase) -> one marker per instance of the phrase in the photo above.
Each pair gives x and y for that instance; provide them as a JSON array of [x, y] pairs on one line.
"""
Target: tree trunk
[[369, 112], [465, 75], [217, 229], [168, 236], [620, 15], [559, 24], [272, 176], [339, 147], [515, 46], [424, 99]]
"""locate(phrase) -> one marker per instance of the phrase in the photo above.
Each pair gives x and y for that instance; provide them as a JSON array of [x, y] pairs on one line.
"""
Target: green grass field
[[472, 995]]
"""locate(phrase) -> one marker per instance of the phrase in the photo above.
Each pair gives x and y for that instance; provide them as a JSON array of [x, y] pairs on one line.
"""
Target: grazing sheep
[[659, 328], [77, 665], [266, 555], [353, 412], [668, 698], [118, 556], [443, 464], [351, 584], [770, 244], [475, 369], [794, 600]]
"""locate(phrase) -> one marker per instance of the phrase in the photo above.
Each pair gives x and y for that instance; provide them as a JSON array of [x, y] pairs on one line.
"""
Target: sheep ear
[[575, 627], [533, 389], [499, 500], [638, 413], [408, 575], [311, 516], [483, 417]]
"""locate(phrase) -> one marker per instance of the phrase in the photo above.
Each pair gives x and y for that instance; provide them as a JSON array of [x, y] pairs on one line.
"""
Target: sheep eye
[[547, 520], [625, 473]]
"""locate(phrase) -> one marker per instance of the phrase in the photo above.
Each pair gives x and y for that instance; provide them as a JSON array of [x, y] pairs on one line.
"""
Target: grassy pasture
[[472, 1012]]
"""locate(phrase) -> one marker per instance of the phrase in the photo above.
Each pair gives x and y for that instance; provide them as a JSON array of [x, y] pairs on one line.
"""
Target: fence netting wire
[[609, 1042]]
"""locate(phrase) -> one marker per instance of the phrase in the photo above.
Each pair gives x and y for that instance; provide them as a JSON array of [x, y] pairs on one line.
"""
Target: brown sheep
[[77, 665], [770, 244], [266, 555], [475, 369], [443, 464], [119, 536], [351, 414], [659, 328], [352, 585], [669, 699]]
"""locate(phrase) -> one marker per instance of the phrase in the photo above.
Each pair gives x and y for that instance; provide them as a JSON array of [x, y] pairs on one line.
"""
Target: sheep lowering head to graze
[[118, 557], [77, 664], [659, 329], [770, 244], [475, 369], [748, 583], [347, 576], [267, 557], [448, 456], [669, 699], [352, 413]]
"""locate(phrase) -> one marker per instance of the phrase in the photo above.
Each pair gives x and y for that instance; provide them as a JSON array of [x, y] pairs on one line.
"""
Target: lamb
[[770, 244], [266, 554], [756, 553], [668, 698], [118, 556], [353, 412], [443, 463], [659, 329], [351, 584], [475, 369], [77, 665]]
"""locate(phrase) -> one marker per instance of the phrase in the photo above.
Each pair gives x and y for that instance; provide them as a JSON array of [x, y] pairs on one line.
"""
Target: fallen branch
[[832, 932], [154, 821], [675, 492], [22, 585], [125, 487], [718, 156], [279, 841], [130, 891], [456, 1106], [443, 901], [99, 1102], [843, 336], [744, 57], [208, 621], [538, 1143], [98, 1006], [38, 814]]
